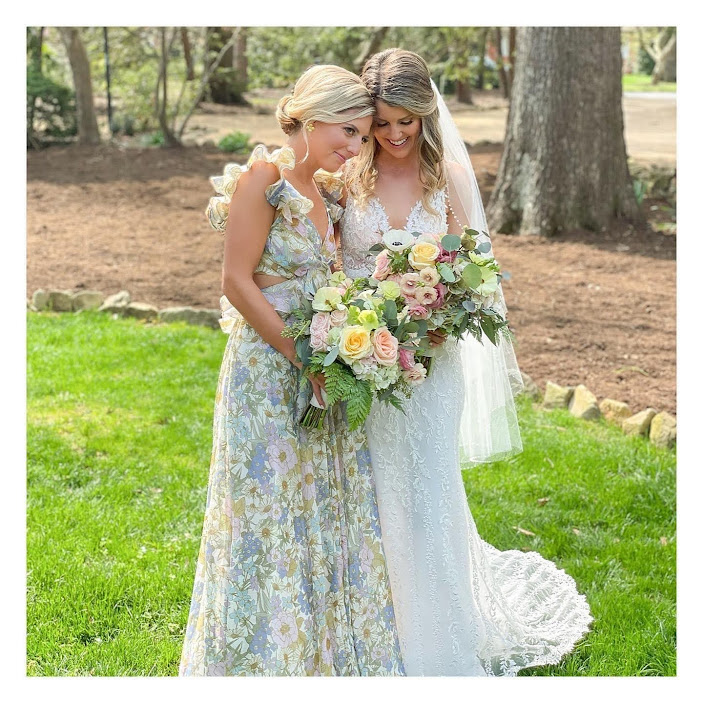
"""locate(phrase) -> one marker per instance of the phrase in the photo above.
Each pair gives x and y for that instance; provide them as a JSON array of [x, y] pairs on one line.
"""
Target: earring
[[310, 126]]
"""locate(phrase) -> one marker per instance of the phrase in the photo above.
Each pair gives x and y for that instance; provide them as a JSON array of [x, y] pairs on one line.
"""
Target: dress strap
[[225, 185]]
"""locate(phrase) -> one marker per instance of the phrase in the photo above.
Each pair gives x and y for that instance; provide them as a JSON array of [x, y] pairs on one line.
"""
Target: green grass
[[118, 440], [640, 82]]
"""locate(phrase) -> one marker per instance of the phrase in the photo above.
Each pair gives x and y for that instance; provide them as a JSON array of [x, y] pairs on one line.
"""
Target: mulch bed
[[592, 308]]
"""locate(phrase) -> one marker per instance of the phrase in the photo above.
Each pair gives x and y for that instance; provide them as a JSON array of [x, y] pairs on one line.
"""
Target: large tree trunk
[[80, 68], [170, 138], [564, 163], [463, 92]]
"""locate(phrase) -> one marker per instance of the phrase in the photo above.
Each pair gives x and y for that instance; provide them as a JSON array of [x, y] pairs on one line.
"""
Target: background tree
[[80, 68], [564, 163], [662, 50]]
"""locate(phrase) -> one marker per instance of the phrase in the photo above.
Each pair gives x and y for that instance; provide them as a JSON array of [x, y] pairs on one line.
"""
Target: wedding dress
[[462, 607]]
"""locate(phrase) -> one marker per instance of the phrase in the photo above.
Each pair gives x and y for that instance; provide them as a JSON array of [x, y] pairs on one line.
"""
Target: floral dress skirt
[[291, 577]]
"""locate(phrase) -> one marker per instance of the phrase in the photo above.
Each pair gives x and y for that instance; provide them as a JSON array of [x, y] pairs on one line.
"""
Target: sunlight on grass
[[118, 440], [640, 82]]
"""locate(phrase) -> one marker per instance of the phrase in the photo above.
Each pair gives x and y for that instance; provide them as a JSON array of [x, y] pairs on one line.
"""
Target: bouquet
[[360, 336], [448, 281]]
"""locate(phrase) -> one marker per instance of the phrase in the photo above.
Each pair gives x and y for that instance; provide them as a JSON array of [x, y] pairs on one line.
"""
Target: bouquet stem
[[426, 361], [314, 415]]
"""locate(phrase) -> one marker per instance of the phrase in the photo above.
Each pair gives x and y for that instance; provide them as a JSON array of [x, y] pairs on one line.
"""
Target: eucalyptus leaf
[[421, 327], [390, 311], [445, 271], [331, 356], [471, 275], [469, 305], [303, 350], [450, 242], [377, 247], [411, 327], [483, 247]]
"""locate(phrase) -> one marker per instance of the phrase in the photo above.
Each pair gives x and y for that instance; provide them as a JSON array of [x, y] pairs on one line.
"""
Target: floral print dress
[[291, 577]]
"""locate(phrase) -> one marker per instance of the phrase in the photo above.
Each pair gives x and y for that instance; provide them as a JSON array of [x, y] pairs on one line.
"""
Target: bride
[[462, 607]]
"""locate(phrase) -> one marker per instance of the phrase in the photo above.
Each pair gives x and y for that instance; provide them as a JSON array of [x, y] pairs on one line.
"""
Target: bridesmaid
[[291, 578]]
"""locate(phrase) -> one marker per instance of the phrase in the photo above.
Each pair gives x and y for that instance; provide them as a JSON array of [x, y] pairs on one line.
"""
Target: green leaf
[[471, 275], [411, 327], [489, 328], [359, 404], [445, 271], [450, 242], [483, 247], [469, 305], [390, 312], [377, 247], [331, 356], [421, 327], [303, 350]]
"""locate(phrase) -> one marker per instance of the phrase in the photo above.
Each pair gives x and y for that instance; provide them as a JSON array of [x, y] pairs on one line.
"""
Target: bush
[[645, 63], [51, 108], [235, 142]]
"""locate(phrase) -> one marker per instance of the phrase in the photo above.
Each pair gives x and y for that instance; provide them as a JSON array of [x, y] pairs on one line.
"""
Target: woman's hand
[[436, 338], [318, 385]]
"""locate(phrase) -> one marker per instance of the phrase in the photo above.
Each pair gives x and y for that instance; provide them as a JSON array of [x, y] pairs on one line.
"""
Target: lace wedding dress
[[462, 606]]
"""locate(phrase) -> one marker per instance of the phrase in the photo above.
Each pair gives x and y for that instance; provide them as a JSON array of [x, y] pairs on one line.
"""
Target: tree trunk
[[187, 54], [241, 64], [170, 139], [37, 61], [370, 47], [512, 42], [665, 60], [501, 68], [481, 58], [80, 68], [564, 162], [463, 92]]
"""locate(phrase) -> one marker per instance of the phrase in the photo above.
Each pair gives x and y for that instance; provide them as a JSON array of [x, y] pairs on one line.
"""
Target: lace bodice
[[363, 226]]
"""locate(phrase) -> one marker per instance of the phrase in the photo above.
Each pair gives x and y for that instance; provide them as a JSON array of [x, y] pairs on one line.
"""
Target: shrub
[[235, 142], [51, 108]]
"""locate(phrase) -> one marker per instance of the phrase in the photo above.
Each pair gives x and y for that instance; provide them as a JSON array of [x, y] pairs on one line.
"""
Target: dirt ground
[[586, 308]]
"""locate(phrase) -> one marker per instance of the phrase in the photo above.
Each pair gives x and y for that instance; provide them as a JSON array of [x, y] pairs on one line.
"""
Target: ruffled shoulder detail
[[225, 185], [331, 186]]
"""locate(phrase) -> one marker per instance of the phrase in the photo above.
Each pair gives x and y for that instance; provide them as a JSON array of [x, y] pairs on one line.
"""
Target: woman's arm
[[248, 224]]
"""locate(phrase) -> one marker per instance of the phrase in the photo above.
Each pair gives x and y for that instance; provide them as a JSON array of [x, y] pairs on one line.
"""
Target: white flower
[[398, 239]]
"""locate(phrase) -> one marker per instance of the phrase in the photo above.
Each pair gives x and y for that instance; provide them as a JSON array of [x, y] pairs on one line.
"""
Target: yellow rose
[[423, 254], [355, 343]]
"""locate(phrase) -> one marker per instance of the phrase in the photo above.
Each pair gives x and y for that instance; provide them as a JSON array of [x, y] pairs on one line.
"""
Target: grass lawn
[[118, 442], [641, 82]]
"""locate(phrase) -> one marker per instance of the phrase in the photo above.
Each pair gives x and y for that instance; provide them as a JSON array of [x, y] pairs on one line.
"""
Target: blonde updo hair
[[402, 79], [324, 93]]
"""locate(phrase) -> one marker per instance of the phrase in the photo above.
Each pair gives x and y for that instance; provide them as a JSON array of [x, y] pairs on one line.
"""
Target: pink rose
[[319, 329], [426, 296], [407, 359], [338, 317], [442, 291], [385, 347], [408, 283], [418, 311], [416, 375], [383, 266]]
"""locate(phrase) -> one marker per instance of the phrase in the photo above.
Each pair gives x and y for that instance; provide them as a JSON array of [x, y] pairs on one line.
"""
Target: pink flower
[[408, 283], [429, 276], [442, 291], [426, 296], [385, 347], [417, 311], [395, 277], [338, 317], [319, 329], [416, 375], [383, 266], [447, 257], [407, 359]]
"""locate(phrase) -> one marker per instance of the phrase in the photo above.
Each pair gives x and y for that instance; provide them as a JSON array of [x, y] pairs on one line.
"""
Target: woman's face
[[332, 144], [396, 130]]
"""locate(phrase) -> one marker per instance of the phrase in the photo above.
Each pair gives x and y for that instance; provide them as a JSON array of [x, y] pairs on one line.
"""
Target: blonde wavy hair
[[324, 93], [401, 79]]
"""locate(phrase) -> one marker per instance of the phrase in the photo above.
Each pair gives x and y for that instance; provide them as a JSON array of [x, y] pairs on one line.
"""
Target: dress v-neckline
[[388, 219], [322, 239]]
